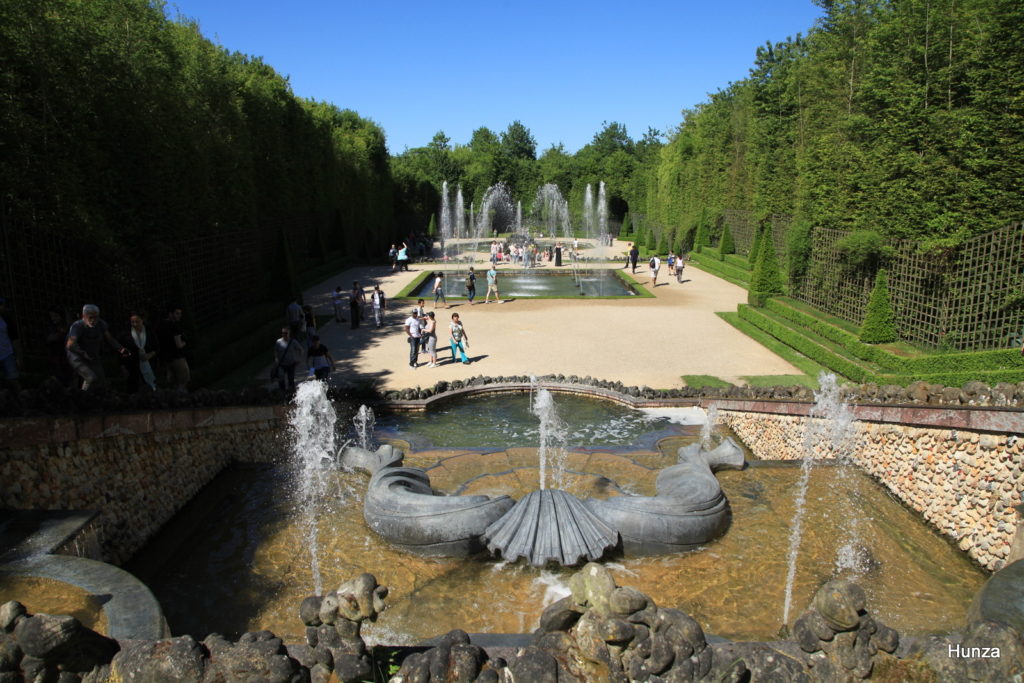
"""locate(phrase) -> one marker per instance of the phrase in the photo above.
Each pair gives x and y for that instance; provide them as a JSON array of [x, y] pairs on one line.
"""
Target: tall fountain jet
[[588, 211], [460, 214], [602, 213], [446, 217], [552, 211]]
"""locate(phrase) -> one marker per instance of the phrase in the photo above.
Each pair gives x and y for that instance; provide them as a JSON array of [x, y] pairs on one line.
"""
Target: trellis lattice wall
[[968, 299]]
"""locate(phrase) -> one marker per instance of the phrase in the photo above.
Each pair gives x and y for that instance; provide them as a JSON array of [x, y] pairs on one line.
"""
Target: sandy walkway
[[649, 341]]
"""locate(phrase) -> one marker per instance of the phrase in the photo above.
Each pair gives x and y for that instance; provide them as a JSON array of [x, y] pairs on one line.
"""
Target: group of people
[[421, 331], [357, 304], [674, 263], [75, 352]]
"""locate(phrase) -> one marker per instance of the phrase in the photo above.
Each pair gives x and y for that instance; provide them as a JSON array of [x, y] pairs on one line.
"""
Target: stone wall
[[136, 469], [962, 478]]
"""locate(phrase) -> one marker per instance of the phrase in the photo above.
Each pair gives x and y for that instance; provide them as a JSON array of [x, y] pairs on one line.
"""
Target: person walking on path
[[655, 265], [338, 302], [293, 315], [380, 305], [356, 301], [393, 257], [439, 289], [471, 286], [141, 349], [492, 285], [413, 330], [85, 339], [8, 337], [171, 344], [286, 356], [429, 339], [459, 338], [634, 256], [680, 263], [403, 257], [320, 360]]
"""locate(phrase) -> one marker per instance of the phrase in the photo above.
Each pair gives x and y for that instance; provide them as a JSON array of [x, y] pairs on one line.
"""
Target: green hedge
[[991, 367], [740, 262], [779, 348], [969, 361], [722, 269]]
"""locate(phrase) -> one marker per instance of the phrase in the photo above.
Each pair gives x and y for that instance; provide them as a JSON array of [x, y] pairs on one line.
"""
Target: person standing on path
[[471, 286], [141, 349], [438, 289], [85, 339], [356, 301], [628, 252], [414, 331], [459, 338], [403, 257], [655, 265], [8, 337], [286, 356], [634, 256], [171, 345], [380, 305], [320, 360], [429, 339], [492, 285], [393, 257], [680, 263], [337, 301]]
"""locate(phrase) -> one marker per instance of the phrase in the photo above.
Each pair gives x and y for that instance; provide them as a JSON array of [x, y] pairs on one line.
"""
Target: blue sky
[[562, 68]]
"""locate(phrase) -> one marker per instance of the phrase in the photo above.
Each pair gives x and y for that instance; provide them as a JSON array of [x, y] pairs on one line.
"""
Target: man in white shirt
[[413, 330], [655, 264]]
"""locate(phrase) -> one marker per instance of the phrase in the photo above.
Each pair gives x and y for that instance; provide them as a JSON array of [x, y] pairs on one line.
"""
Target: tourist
[[293, 315], [413, 329], [655, 265], [310, 324], [634, 256], [8, 338], [393, 257], [320, 361], [403, 257], [171, 342], [629, 254], [142, 348], [85, 339], [429, 339], [420, 310], [558, 255], [56, 335], [471, 286], [438, 289], [338, 302], [356, 302], [287, 354], [492, 285], [459, 339], [670, 263], [379, 304], [680, 262]]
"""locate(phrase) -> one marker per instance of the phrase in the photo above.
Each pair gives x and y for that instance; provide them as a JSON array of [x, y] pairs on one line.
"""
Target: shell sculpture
[[550, 525]]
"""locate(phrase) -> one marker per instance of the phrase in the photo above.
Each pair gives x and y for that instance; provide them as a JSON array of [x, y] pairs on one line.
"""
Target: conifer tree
[[626, 227], [432, 226], [726, 245], [879, 324], [701, 238], [652, 243], [755, 247], [767, 278]]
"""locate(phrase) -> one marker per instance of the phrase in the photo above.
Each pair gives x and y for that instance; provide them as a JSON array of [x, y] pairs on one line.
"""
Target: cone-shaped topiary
[[879, 324], [626, 227], [432, 226], [755, 247], [766, 280], [651, 242], [726, 245], [700, 238]]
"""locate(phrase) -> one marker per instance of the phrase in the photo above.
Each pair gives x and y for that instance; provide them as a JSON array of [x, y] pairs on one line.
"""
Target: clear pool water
[[556, 282]]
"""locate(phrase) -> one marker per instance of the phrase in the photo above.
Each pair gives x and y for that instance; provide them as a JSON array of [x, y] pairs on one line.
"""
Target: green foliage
[[432, 227], [879, 324], [798, 251], [626, 227], [650, 241], [864, 249], [726, 245], [766, 280], [755, 245], [709, 381], [700, 237]]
